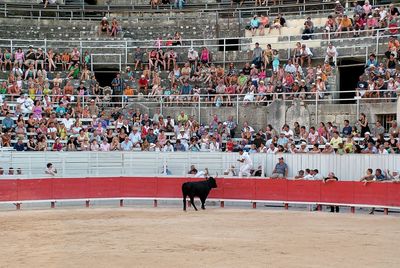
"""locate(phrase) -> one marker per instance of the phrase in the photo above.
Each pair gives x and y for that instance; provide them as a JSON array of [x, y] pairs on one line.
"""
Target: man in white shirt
[[26, 104], [68, 121], [193, 56], [246, 164], [135, 137], [317, 175], [272, 149], [331, 53], [290, 68], [306, 54]]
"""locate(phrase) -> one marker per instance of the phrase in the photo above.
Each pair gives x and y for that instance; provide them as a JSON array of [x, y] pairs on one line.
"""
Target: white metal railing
[[244, 43], [102, 164]]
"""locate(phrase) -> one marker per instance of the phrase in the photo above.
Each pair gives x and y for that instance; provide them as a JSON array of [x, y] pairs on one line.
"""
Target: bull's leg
[[203, 201], [192, 202], [184, 202]]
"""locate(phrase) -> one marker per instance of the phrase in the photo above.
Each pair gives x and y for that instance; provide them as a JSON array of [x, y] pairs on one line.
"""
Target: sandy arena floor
[[168, 237]]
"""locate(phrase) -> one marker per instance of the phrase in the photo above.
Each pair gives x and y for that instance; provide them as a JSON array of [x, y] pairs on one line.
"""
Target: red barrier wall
[[380, 194]]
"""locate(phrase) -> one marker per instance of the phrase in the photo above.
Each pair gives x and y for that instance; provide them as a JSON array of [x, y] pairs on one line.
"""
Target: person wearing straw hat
[[104, 27]]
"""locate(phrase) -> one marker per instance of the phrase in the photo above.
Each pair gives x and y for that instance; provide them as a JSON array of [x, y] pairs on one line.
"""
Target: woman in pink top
[[19, 57], [367, 8], [205, 56], [37, 110], [262, 92]]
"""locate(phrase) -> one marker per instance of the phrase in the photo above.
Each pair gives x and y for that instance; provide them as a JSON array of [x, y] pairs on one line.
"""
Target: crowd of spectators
[[131, 130]]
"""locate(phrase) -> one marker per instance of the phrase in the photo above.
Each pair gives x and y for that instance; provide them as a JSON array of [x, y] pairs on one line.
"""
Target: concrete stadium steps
[[146, 2]]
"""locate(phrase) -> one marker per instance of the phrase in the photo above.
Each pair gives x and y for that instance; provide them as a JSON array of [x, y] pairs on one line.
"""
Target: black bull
[[201, 189]]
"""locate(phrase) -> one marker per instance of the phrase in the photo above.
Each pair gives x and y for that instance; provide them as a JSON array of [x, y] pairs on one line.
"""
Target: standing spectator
[[118, 87], [332, 177], [281, 169], [246, 163], [257, 55], [339, 9], [193, 58], [138, 57]]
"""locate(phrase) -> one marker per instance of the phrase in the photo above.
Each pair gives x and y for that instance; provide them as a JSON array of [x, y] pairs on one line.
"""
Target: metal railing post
[[377, 42], [289, 47], [316, 107], [11, 46], [224, 52], [81, 50], [199, 111], [126, 52], [237, 109]]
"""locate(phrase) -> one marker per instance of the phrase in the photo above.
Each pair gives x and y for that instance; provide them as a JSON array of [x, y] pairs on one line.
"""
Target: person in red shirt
[[143, 84]]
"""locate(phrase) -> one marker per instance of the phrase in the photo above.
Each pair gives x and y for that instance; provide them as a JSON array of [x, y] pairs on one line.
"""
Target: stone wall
[[279, 113]]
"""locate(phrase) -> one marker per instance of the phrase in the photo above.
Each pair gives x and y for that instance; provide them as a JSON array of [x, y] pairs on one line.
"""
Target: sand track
[[167, 237]]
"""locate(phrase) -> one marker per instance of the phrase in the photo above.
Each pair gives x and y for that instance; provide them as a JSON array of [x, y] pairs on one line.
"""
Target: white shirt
[[246, 157], [331, 51], [168, 148], [68, 123], [318, 176], [104, 147], [269, 151], [214, 147], [135, 138], [288, 133], [193, 56]]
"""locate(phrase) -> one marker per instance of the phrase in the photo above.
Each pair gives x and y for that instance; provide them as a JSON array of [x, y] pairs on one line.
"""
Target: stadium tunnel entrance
[[105, 75], [349, 72]]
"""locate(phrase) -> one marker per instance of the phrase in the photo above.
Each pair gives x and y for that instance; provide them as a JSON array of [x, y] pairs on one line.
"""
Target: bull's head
[[212, 182]]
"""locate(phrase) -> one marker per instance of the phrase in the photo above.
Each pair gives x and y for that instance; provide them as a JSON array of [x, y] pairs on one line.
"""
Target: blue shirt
[[19, 147], [126, 146], [186, 89], [254, 23], [8, 122], [346, 130]]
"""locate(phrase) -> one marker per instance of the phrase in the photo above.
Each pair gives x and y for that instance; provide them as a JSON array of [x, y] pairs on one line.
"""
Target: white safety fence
[[103, 164]]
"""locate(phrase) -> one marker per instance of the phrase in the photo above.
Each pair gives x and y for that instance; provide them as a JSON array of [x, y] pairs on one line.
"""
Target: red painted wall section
[[347, 192]]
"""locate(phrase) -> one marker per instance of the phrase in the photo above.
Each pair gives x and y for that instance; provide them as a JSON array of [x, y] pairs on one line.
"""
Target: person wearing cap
[[339, 9], [104, 27], [394, 176], [303, 147], [246, 164], [193, 57], [328, 149], [371, 24], [183, 137], [281, 169]]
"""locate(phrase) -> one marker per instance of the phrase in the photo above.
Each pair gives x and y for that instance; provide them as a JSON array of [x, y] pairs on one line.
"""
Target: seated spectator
[[254, 24], [280, 170], [278, 23], [308, 29], [346, 25], [104, 27]]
